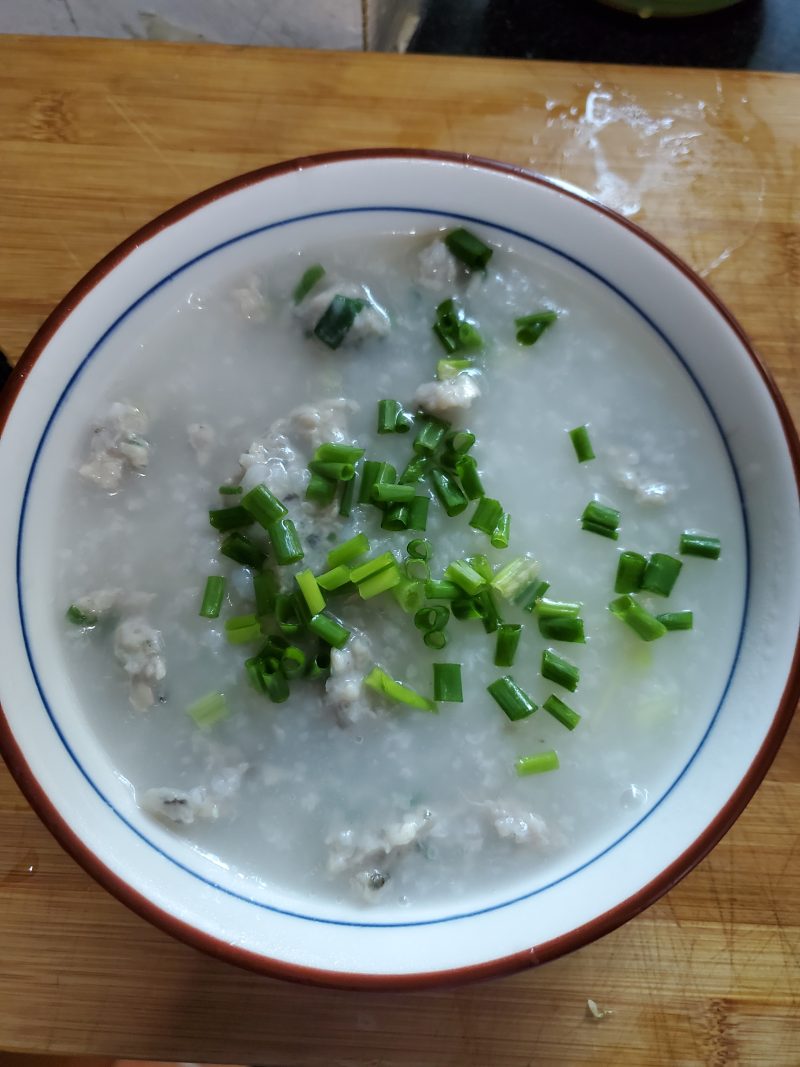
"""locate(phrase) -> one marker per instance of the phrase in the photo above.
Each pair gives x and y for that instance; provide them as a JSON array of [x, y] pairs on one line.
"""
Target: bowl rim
[[505, 965]]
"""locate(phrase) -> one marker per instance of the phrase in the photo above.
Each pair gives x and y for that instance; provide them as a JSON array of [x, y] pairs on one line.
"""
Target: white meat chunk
[[178, 805], [514, 823], [249, 300], [202, 438], [448, 397], [117, 444], [370, 855], [345, 693], [371, 321], [438, 267], [139, 649]]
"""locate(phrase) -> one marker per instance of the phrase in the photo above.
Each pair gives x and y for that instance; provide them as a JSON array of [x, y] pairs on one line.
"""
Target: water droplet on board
[[21, 871]]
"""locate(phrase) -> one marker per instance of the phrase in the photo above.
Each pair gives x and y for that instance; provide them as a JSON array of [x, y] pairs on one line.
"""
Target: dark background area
[[754, 34]]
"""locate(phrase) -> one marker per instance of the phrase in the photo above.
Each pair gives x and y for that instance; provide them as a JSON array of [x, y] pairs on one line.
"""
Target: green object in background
[[669, 8]]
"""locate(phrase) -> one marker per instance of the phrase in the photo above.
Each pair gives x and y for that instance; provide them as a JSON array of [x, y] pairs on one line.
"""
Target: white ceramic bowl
[[68, 777]]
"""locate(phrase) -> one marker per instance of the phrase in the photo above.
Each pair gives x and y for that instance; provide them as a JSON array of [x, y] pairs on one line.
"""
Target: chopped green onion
[[538, 764], [208, 710], [561, 711], [630, 571], [320, 665], [420, 548], [320, 490], [526, 598], [482, 565], [449, 492], [447, 683], [598, 518], [265, 589], [287, 615], [467, 471], [465, 608], [453, 329], [508, 635], [465, 576], [311, 591], [390, 493], [212, 597], [436, 589], [337, 320], [417, 570], [602, 531], [337, 472], [418, 513], [263, 505], [695, 544], [396, 517], [514, 701], [230, 490], [487, 611], [348, 550], [80, 617], [435, 639], [435, 618], [392, 418], [334, 578], [661, 574], [641, 621], [381, 582], [410, 595], [415, 470], [224, 519], [329, 629], [431, 432], [515, 576], [334, 452], [581, 443], [241, 629], [549, 609], [371, 566], [383, 683], [562, 628], [460, 441], [502, 531], [449, 368], [559, 670], [285, 542], [383, 474], [239, 547], [677, 620], [531, 327], [293, 662], [308, 280], [487, 514], [347, 497], [471, 250]]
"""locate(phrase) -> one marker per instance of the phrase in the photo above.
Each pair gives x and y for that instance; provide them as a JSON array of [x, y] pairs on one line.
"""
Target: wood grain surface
[[96, 138]]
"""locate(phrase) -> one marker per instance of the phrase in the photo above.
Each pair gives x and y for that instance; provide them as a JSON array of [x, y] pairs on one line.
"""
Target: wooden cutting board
[[96, 138]]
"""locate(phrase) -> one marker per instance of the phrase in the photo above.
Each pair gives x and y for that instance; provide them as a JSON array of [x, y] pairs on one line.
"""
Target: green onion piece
[[390, 493], [436, 589], [538, 764], [630, 571], [387, 686], [385, 474], [268, 678], [562, 628], [241, 629], [334, 578], [418, 513], [487, 611], [502, 531], [561, 711], [208, 710], [449, 368], [695, 544], [514, 701], [277, 687], [641, 621], [508, 635], [553, 609], [329, 629], [392, 418], [418, 570], [381, 582], [224, 519], [559, 670], [212, 597], [265, 589], [410, 595], [308, 280], [526, 598], [449, 492], [471, 250], [447, 683], [469, 336], [581, 443], [460, 441], [239, 547], [371, 566], [430, 435], [514, 576], [465, 608], [435, 639], [598, 528], [415, 470], [274, 647], [454, 331], [337, 472], [396, 517], [230, 490], [293, 662], [287, 615], [435, 618], [465, 576], [320, 490], [285, 542], [337, 320], [320, 665], [487, 514], [531, 327], [311, 591], [661, 574], [334, 452], [348, 550], [482, 565], [467, 471], [347, 497], [677, 620], [419, 548], [263, 506], [601, 515], [80, 617]]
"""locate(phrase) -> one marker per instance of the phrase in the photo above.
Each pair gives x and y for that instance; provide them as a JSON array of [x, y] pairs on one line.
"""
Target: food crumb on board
[[597, 1013]]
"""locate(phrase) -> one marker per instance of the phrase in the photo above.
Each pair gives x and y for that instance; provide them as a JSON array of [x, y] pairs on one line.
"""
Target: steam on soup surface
[[251, 737]]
